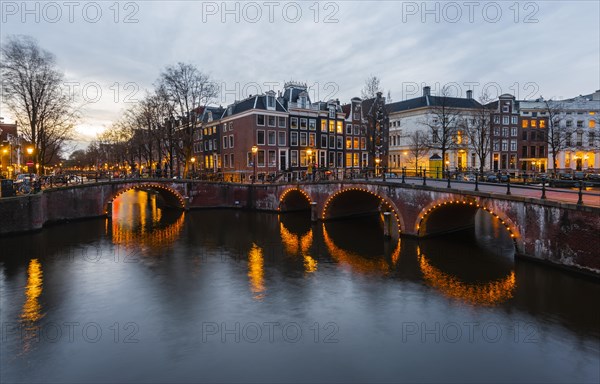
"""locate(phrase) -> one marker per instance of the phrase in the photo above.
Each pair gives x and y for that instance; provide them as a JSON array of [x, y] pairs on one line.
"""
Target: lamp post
[[377, 162], [193, 160], [254, 152], [447, 169], [309, 169], [30, 162]]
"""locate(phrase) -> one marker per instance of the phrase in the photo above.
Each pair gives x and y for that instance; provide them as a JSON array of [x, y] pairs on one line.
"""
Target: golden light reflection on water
[[488, 294], [357, 262], [135, 222], [31, 313], [256, 272], [299, 245]]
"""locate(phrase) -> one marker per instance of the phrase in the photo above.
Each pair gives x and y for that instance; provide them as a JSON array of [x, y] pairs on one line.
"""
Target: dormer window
[[332, 112], [210, 116], [271, 100], [303, 101]]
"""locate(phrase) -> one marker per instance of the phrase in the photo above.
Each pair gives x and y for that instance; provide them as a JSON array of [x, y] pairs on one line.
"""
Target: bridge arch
[[453, 205], [170, 195], [294, 199], [347, 202]]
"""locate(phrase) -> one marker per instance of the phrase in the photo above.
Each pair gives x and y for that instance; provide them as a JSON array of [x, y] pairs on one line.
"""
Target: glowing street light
[[254, 152]]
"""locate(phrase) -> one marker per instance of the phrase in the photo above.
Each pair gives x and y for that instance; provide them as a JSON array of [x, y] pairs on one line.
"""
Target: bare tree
[[372, 86], [557, 135], [443, 121], [32, 91], [186, 88], [417, 147], [479, 130]]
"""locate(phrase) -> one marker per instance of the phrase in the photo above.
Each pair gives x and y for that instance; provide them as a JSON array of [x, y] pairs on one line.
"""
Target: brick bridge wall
[[560, 233]]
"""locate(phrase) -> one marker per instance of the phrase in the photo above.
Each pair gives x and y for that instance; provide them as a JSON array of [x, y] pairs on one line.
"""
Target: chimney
[[427, 91], [469, 94]]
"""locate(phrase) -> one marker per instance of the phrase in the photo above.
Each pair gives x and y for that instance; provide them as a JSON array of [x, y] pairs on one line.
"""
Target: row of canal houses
[[294, 134]]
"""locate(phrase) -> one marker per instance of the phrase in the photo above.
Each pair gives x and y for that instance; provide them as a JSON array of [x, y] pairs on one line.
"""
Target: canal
[[157, 295]]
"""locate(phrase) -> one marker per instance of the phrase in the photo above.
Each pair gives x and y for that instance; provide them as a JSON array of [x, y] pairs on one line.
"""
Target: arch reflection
[[31, 313], [485, 294], [138, 221], [358, 262], [299, 245]]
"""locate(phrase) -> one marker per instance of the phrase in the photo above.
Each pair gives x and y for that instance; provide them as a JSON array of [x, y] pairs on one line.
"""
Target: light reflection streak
[[256, 272], [488, 294], [31, 313]]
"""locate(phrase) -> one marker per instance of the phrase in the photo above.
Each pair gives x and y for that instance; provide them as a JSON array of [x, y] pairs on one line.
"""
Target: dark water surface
[[229, 296]]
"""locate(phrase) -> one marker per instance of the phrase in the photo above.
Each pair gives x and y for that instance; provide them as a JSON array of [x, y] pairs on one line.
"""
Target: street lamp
[[447, 168], [193, 160], [30, 153], [309, 169], [254, 152], [377, 161]]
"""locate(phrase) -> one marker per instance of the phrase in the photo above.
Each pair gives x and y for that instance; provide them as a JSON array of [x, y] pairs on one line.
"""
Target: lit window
[[525, 123], [533, 123], [542, 123], [592, 123]]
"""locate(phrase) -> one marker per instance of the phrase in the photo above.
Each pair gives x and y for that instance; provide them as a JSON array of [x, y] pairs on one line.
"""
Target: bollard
[[448, 186], [403, 175], [508, 186], [543, 189], [424, 177], [314, 213], [580, 200]]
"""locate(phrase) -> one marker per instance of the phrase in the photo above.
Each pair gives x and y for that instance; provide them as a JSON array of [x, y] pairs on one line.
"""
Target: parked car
[[579, 176], [491, 178], [504, 178], [565, 176], [469, 177]]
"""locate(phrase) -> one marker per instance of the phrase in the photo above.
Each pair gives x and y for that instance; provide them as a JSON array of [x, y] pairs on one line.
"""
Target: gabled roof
[[253, 102]]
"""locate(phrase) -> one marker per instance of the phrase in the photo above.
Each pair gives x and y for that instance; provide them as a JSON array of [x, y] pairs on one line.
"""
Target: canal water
[[156, 295]]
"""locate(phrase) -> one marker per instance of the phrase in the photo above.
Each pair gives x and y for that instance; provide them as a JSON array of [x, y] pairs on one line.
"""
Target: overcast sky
[[549, 48]]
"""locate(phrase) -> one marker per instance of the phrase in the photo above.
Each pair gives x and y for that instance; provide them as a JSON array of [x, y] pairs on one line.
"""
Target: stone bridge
[[560, 233]]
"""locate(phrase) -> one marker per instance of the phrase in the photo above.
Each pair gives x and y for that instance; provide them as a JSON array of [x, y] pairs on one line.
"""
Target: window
[[340, 142], [294, 139], [514, 120], [281, 138], [260, 137], [513, 131], [261, 158], [505, 145], [225, 142], [533, 123], [323, 141], [496, 145], [496, 120], [225, 127], [513, 145], [323, 125], [260, 119], [332, 141], [592, 123], [525, 123], [505, 120], [226, 161], [271, 138], [272, 158], [356, 130], [312, 124], [569, 123], [303, 159], [532, 151], [281, 122], [303, 123], [230, 141], [332, 112], [542, 150], [505, 108], [303, 140], [331, 126], [271, 121], [294, 123], [591, 138], [312, 139], [504, 131], [568, 139], [363, 143], [579, 123], [340, 128], [355, 143], [271, 101], [579, 138], [542, 123], [348, 129], [231, 163], [524, 151], [524, 136], [533, 114], [249, 159], [294, 158], [496, 131], [348, 143]]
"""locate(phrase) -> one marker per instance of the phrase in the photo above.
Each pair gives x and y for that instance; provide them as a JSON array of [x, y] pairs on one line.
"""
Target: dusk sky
[[548, 48]]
